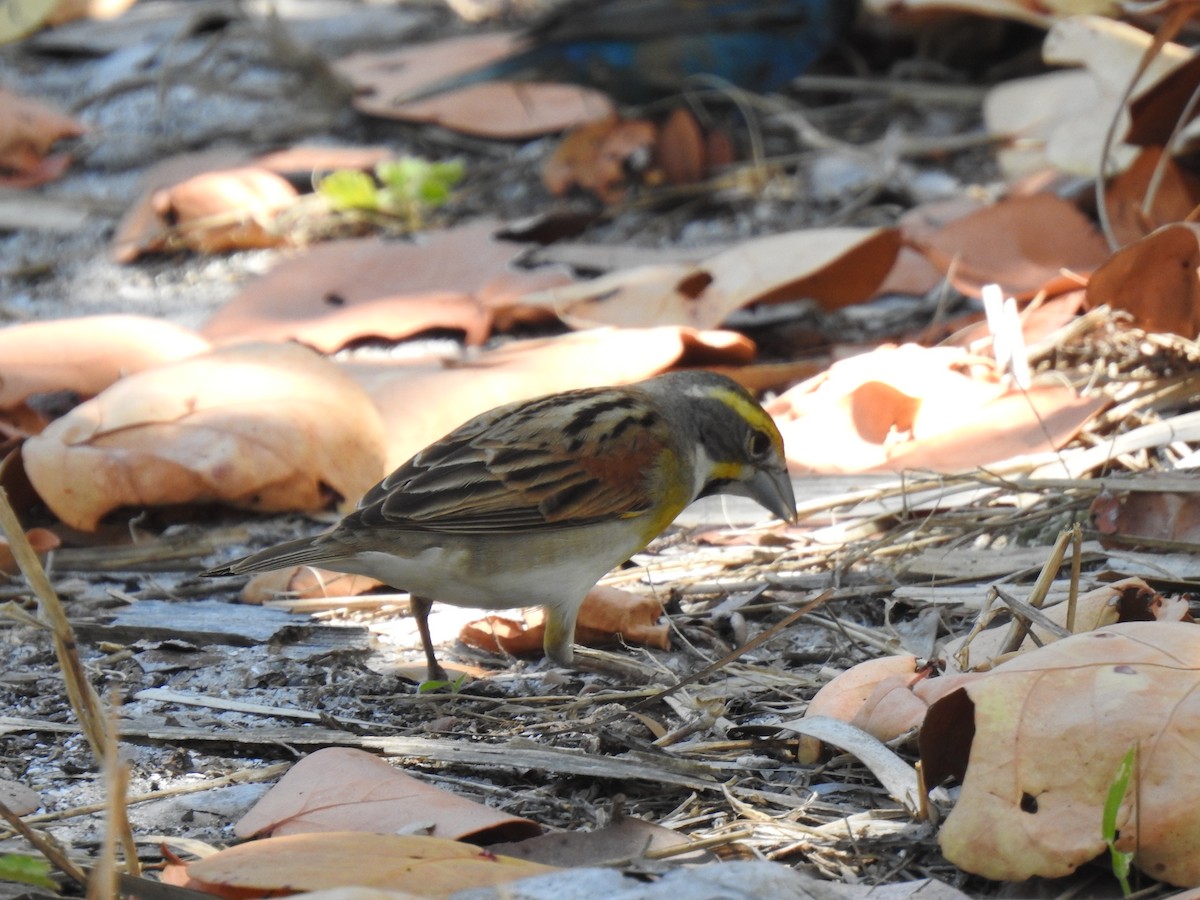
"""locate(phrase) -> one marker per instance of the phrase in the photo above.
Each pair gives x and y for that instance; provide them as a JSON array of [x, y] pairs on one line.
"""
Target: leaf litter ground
[[719, 767], [247, 693]]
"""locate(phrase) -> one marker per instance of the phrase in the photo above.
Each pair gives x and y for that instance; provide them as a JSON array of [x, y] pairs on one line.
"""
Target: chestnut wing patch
[[543, 464]]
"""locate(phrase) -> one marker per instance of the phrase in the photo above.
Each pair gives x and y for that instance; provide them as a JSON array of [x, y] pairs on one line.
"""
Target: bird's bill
[[772, 490]]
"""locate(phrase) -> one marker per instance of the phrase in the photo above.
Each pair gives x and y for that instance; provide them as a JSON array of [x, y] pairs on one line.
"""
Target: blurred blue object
[[636, 50]]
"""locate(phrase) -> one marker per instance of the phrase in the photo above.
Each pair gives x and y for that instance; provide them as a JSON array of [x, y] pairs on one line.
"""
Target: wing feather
[[566, 460]]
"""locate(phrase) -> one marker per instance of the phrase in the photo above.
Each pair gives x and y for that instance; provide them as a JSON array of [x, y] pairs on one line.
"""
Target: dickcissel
[[532, 503]]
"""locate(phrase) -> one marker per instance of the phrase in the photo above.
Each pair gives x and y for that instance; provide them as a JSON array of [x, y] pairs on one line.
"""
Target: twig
[[244, 776], [43, 846], [82, 696], [737, 653]]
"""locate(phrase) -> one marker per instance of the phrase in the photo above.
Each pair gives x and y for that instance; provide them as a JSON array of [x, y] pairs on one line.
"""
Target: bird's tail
[[311, 551]]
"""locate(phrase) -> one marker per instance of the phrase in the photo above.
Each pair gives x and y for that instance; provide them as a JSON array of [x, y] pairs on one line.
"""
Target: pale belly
[[505, 572]]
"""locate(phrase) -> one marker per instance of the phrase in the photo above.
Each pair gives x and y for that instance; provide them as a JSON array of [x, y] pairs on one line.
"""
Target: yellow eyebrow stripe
[[751, 412]]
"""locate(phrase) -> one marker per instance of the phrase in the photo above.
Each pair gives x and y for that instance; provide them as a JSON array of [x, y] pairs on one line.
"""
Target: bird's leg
[[420, 609], [560, 632]]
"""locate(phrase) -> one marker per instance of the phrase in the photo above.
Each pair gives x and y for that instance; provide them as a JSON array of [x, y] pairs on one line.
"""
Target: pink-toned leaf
[[1156, 280], [1038, 740], [344, 291], [1021, 244], [421, 866], [87, 354], [608, 615], [384, 82], [835, 267], [343, 789], [28, 131], [898, 408], [266, 427]]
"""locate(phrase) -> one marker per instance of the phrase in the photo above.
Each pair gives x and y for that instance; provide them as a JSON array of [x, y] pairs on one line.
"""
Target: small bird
[[638, 50], [532, 503]]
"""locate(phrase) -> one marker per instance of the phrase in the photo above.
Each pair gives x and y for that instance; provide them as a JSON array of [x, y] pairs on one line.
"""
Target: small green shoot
[[405, 189], [1121, 860], [27, 870], [455, 686], [349, 189]]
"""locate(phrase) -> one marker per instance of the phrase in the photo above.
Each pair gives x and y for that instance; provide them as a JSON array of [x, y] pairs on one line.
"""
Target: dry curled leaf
[[87, 354], [42, 541], [265, 427], [1172, 190], [1062, 118], [343, 291], [1155, 280], [608, 615], [424, 866], [219, 211], [843, 696], [1037, 742], [602, 158], [835, 267], [1022, 244], [908, 407], [385, 82], [28, 131], [344, 789]]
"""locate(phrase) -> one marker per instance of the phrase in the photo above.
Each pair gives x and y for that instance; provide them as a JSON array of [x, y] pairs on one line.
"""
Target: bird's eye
[[758, 444]]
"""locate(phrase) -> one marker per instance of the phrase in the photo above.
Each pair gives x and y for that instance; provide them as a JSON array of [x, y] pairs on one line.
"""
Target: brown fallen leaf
[[843, 696], [1037, 743], [909, 407], [1153, 518], [345, 789], [598, 157], [87, 354], [305, 583], [42, 540], [143, 230], [28, 131], [836, 267], [1155, 279], [887, 699], [264, 427], [608, 615], [1021, 244], [1127, 600], [220, 211], [609, 156], [1157, 112], [344, 291], [1174, 193], [385, 81], [420, 404], [424, 866]]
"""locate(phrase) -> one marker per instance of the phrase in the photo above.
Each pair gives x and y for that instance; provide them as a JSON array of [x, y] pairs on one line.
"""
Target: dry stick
[[116, 774], [43, 846], [730, 657], [242, 777], [99, 730], [80, 693], [1020, 625], [1076, 574]]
